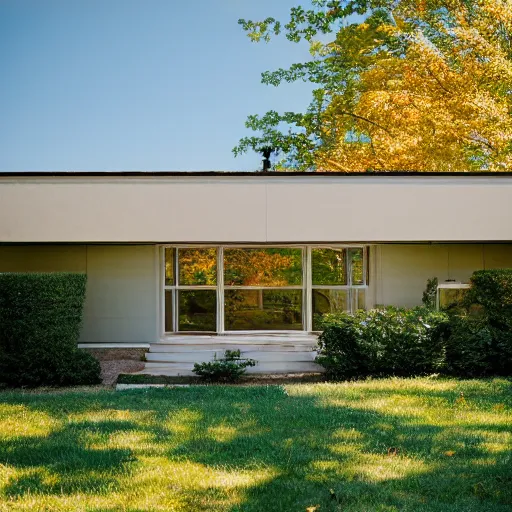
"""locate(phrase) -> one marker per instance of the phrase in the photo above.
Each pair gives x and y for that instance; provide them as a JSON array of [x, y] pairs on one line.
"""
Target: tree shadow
[[63, 462], [315, 449]]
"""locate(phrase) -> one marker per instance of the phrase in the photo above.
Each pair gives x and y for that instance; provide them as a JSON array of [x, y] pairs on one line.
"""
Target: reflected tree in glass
[[197, 310], [329, 266], [328, 301], [197, 267], [169, 266], [260, 309], [263, 267], [356, 265]]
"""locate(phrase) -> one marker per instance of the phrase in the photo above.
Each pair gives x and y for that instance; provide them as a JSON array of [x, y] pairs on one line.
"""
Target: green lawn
[[390, 445]]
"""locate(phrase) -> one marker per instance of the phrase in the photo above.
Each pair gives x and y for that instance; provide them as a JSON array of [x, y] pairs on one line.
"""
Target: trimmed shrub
[[40, 320], [481, 339], [492, 290], [383, 342], [227, 369]]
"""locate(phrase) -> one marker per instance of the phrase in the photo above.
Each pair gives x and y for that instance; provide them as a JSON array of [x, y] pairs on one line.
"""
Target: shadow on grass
[[317, 452], [63, 463]]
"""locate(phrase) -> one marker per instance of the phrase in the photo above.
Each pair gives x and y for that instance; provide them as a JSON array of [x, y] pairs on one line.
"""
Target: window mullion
[[308, 290], [220, 290]]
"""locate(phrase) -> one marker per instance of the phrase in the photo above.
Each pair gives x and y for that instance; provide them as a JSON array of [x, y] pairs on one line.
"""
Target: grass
[[387, 445]]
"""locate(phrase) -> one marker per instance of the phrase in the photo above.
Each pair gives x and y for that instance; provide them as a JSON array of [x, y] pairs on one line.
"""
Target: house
[[186, 265]]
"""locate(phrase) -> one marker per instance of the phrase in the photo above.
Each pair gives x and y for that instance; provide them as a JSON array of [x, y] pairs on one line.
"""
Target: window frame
[[307, 286]]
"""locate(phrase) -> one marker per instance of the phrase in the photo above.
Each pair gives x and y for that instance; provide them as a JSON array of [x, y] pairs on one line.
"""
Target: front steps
[[282, 354]]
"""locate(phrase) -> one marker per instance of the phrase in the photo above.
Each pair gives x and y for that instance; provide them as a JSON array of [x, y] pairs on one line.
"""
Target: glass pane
[[361, 298], [276, 310], [168, 311], [450, 298], [329, 266], [197, 267], [357, 298], [263, 267], [328, 301], [357, 267], [169, 267], [197, 310]]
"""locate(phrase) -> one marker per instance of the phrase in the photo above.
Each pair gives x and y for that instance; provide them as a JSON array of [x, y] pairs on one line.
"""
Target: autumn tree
[[422, 85]]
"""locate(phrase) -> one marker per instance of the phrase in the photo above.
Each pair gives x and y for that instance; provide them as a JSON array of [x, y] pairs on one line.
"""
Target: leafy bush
[[227, 369], [492, 290], [481, 339], [429, 298], [40, 320], [380, 342]]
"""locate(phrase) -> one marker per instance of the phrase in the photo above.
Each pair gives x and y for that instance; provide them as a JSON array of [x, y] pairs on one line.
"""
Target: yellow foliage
[[441, 104]]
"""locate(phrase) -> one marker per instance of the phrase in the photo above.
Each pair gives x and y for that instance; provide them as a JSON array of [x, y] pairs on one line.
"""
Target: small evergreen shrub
[[383, 342], [40, 320], [227, 369]]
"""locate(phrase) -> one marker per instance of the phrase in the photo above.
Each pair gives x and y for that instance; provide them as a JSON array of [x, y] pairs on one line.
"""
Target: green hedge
[[40, 320], [481, 339], [383, 342]]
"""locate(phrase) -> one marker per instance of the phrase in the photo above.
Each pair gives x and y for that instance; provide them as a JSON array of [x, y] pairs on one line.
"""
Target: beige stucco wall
[[401, 271], [121, 301], [259, 208]]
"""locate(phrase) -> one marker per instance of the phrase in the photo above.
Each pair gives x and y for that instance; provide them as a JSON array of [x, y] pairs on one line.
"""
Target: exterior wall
[[43, 258], [259, 208], [401, 271], [121, 304]]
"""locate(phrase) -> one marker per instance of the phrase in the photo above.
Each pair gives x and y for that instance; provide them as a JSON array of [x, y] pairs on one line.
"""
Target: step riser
[[265, 367], [210, 355], [158, 348]]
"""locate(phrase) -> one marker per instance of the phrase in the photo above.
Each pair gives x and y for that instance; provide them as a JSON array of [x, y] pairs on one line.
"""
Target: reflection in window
[[357, 266], [248, 310], [197, 310], [451, 298], [169, 267], [329, 267], [197, 267], [328, 301], [357, 298], [263, 267]]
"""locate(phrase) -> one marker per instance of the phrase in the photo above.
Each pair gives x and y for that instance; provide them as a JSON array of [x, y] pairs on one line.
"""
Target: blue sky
[[112, 85]]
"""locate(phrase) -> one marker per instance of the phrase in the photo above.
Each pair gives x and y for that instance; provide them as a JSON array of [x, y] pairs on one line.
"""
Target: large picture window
[[272, 289]]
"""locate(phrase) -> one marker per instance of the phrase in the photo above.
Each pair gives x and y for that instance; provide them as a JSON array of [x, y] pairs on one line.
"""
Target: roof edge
[[142, 174]]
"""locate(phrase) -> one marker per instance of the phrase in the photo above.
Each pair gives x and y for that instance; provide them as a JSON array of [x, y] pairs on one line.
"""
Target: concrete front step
[[241, 339], [222, 347], [274, 353], [184, 369], [209, 355]]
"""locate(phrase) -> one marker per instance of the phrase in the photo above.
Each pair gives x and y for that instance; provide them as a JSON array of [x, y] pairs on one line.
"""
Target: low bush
[[481, 337], [383, 342], [227, 369], [40, 320]]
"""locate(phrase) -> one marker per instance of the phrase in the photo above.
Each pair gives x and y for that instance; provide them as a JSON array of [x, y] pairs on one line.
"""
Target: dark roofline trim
[[160, 174]]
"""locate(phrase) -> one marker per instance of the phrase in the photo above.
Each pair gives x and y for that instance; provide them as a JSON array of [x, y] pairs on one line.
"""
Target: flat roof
[[81, 174], [254, 207]]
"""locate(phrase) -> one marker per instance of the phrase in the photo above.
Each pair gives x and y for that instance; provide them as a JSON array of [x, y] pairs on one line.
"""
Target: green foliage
[[40, 320], [227, 369], [481, 339], [429, 298], [382, 34], [381, 342], [492, 290]]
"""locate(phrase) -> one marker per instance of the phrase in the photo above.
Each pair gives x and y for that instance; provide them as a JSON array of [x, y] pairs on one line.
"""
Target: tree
[[423, 85]]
